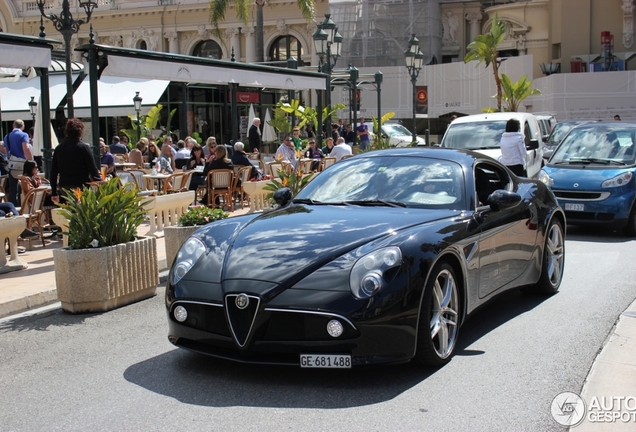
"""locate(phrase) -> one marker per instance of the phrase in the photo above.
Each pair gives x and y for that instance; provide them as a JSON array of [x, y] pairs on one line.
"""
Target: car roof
[[607, 124], [492, 116], [461, 156]]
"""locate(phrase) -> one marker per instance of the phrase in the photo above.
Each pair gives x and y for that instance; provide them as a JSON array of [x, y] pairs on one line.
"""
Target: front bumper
[[612, 212]]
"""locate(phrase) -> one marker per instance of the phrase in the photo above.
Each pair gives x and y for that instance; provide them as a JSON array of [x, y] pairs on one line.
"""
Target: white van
[[482, 133]]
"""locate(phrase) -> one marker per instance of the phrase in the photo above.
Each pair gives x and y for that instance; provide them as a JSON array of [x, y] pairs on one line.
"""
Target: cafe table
[[125, 165], [155, 179]]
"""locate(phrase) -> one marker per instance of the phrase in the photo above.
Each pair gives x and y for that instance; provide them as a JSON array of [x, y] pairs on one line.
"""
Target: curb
[[46, 298]]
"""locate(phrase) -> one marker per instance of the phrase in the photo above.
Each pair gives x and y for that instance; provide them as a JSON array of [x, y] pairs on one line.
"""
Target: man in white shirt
[[287, 151], [340, 149], [183, 152]]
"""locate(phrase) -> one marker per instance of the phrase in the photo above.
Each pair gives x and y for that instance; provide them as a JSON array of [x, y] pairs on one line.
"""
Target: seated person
[[483, 186], [30, 180], [108, 159], [313, 153], [239, 158]]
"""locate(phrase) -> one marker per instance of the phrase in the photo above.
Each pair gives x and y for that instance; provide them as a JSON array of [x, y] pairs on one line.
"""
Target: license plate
[[338, 361], [574, 207]]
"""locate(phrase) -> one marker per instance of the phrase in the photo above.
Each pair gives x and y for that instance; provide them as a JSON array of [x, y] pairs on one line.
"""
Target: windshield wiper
[[306, 201], [597, 160], [376, 202]]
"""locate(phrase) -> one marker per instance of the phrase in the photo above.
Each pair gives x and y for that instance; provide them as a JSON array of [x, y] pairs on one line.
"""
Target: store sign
[[245, 97], [421, 97]]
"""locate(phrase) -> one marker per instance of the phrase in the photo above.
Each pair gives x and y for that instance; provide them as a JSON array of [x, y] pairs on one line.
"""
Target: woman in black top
[[153, 153], [197, 158], [220, 162], [73, 161]]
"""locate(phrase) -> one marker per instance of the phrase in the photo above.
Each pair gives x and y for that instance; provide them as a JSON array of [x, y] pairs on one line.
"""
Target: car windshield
[[392, 129], [560, 131], [389, 180], [474, 135], [603, 144]]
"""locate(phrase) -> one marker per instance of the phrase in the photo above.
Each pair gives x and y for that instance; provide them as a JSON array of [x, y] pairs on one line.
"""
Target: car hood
[[493, 153], [404, 140], [285, 245], [585, 177]]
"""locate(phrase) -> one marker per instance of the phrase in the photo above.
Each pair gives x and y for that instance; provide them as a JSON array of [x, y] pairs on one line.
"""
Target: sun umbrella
[[38, 142], [251, 117], [269, 134]]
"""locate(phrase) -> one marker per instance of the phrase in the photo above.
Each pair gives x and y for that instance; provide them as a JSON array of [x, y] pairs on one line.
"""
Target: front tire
[[630, 229], [553, 260], [439, 318]]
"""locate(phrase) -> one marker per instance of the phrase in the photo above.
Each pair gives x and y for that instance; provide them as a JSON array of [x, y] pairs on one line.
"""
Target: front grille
[[205, 316], [581, 196], [286, 326]]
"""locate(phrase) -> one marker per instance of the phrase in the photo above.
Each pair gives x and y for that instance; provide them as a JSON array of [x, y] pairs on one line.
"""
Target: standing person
[[341, 128], [350, 135], [72, 161], [17, 145], [513, 148], [335, 131], [254, 135], [363, 134], [309, 131]]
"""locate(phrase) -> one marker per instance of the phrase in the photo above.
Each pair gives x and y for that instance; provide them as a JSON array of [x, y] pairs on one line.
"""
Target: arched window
[[143, 45], [208, 49], [285, 47]]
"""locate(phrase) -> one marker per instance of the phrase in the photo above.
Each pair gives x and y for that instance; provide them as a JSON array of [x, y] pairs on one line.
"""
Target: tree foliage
[[484, 49]]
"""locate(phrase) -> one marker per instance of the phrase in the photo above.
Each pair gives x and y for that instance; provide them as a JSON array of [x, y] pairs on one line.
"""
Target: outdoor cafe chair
[[174, 183], [243, 176], [306, 165], [327, 162], [4, 185], [33, 209], [220, 184]]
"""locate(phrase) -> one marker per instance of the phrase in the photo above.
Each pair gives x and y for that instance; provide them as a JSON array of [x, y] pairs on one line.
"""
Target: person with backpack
[[17, 144]]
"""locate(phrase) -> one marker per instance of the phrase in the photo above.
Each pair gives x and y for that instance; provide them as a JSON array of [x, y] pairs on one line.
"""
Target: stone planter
[[174, 237], [101, 279], [165, 210]]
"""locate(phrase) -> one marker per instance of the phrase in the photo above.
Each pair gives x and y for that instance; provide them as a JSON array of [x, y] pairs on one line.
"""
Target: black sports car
[[379, 259]]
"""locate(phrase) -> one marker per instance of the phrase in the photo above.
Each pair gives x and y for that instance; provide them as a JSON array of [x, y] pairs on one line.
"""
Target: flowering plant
[[201, 215], [295, 180], [104, 216]]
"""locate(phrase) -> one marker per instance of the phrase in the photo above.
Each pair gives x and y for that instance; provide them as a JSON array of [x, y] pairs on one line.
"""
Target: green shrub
[[201, 215]]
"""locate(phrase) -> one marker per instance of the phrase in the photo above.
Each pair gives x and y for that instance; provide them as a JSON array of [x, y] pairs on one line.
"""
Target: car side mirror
[[547, 154], [503, 199], [533, 144], [283, 196]]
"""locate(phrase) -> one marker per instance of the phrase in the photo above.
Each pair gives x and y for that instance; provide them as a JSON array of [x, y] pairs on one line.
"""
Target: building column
[[250, 46], [475, 24], [628, 23], [173, 41]]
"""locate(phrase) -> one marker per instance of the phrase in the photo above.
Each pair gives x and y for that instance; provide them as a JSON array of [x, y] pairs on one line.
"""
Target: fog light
[[334, 328], [180, 313]]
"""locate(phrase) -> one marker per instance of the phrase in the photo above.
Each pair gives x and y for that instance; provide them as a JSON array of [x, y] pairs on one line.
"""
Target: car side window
[[489, 178], [527, 134]]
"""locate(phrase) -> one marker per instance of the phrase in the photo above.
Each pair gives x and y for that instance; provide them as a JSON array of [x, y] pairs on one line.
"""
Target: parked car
[[398, 135], [482, 133], [593, 175], [558, 133], [546, 124], [379, 259]]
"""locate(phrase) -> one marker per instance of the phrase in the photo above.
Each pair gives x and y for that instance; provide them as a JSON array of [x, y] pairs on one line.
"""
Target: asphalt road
[[117, 370]]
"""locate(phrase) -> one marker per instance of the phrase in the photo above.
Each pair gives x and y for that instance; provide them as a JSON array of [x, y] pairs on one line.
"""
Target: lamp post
[[137, 100], [67, 26], [414, 59], [327, 45], [33, 107]]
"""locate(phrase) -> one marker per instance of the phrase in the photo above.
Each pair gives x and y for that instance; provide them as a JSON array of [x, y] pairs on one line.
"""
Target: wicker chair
[[327, 162], [33, 209], [4, 185], [220, 184], [242, 176]]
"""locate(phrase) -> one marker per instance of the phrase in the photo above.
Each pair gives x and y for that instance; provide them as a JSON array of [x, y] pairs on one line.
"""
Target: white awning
[[115, 96], [208, 74], [21, 56], [15, 96]]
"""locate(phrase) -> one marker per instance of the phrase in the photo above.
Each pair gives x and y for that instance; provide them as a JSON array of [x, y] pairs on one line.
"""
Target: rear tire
[[439, 318], [553, 260]]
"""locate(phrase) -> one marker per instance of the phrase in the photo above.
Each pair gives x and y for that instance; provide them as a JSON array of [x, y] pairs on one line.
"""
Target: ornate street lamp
[[67, 26], [414, 59], [33, 107], [327, 45], [137, 100]]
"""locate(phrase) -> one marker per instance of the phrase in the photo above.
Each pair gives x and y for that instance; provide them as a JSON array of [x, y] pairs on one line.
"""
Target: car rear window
[[475, 135]]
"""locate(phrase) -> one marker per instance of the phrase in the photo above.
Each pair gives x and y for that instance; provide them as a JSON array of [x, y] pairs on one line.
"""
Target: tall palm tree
[[484, 49], [218, 8]]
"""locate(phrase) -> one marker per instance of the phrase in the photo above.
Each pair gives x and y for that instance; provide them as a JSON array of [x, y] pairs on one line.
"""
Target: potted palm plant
[[189, 222], [106, 264]]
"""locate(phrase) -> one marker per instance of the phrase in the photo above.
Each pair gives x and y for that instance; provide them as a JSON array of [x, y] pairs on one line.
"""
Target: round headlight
[[335, 328], [187, 256], [367, 275], [371, 283], [180, 313]]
